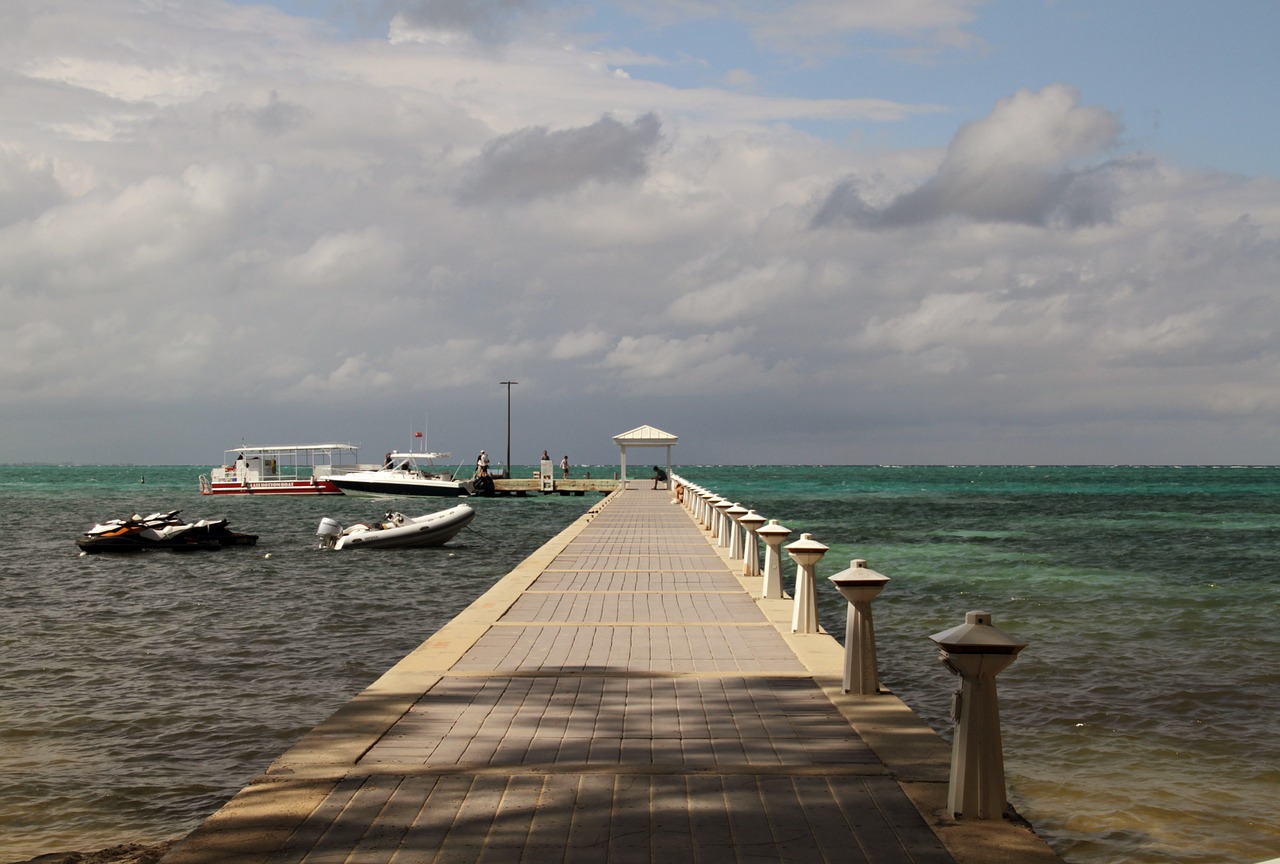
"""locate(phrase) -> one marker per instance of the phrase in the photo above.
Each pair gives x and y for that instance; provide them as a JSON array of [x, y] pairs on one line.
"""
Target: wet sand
[[128, 853]]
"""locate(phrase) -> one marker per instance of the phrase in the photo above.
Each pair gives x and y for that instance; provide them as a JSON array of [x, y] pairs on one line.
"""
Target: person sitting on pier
[[659, 476]]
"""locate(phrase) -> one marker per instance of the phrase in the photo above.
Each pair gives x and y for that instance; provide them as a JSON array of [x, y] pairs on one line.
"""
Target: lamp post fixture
[[977, 651], [859, 585], [722, 521], [750, 524], [711, 514], [734, 515], [772, 534], [506, 470], [806, 552]]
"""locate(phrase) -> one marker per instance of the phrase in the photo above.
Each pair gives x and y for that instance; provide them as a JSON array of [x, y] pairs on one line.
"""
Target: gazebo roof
[[642, 436]]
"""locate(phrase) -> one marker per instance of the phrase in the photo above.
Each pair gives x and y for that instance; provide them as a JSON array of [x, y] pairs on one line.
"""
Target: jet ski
[[166, 531]]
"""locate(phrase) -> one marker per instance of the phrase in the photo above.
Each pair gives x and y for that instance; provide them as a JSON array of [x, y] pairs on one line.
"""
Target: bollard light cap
[[977, 636], [806, 550], [859, 574], [736, 512], [752, 519], [774, 533], [859, 582]]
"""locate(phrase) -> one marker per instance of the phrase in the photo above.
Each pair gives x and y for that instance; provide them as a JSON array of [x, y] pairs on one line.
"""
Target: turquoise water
[[1139, 725]]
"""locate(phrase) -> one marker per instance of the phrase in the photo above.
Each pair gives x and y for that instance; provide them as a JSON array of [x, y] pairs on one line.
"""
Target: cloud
[[28, 185], [804, 27], [924, 27], [305, 231], [745, 294], [581, 343], [655, 364], [535, 163], [484, 20], [1015, 165]]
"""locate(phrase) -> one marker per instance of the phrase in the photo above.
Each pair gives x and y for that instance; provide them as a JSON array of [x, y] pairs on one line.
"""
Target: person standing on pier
[[564, 466]]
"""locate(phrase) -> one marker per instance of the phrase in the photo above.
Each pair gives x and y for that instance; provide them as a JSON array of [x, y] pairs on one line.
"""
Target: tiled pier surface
[[621, 696]]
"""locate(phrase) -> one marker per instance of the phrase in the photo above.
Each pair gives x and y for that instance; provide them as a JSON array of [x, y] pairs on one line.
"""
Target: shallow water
[[140, 692], [1140, 723]]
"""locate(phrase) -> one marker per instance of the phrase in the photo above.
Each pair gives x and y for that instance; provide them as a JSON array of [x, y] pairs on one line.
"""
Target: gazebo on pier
[[645, 436]]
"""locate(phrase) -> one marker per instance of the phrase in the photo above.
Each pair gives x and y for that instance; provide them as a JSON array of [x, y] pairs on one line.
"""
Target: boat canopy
[[290, 448]]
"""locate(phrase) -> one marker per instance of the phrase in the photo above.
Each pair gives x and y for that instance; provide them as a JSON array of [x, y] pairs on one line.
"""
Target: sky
[[813, 232]]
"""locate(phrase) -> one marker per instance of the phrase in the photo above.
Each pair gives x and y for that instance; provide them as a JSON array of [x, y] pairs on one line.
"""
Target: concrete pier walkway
[[620, 696]]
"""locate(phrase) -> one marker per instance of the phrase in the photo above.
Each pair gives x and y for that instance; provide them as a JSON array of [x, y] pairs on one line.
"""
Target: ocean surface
[[1141, 724]]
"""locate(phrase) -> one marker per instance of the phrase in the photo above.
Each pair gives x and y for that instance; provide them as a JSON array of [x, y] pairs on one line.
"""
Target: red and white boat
[[292, 469]]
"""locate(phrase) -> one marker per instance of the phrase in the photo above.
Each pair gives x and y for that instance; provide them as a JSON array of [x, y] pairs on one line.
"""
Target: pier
[[623, 695], [580, 486]]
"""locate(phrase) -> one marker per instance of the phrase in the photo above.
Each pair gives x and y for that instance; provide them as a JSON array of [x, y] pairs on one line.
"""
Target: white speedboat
[[396, 531], [405, 474]]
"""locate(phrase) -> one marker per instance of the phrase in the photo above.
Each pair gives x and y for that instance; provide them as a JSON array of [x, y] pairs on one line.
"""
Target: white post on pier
[[735, 514], [806, 552], [772, 534], [751, 522], [859, 585], [977, 651], [709, 515], [721, 531]]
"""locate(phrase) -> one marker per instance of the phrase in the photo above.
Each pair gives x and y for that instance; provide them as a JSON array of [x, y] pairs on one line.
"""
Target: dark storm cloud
[[276, 117], [1014, 166], [486, 20], [538, 163], [27, 187]]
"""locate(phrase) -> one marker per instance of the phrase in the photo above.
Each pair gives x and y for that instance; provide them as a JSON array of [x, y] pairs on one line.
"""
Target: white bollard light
[[734, 516], [721, 532], [860, 585], [773, 534], [806, 552], [708, 508], [691, 497], [751, 522], [709, 514], [977, 652]]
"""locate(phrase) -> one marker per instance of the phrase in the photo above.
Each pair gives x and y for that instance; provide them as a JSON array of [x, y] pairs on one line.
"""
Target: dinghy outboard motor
[[328, 532]]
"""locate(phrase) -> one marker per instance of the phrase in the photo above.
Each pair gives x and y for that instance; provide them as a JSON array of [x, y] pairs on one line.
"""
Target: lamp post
[[859, 585], [506, 471], [806, 552], [750, 523], [977, 651], [735, 514], [772, 534]]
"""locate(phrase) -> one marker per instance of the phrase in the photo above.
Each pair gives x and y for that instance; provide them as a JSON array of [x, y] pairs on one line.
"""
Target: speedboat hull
[[397, 531], [395, 484]]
